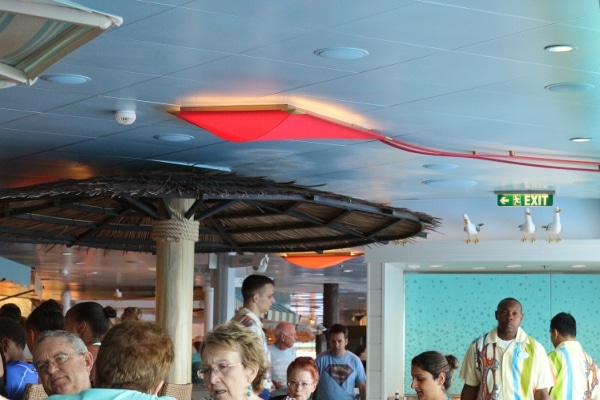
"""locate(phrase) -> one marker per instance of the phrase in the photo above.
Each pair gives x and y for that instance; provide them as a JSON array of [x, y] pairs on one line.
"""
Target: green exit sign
[[525, 200]]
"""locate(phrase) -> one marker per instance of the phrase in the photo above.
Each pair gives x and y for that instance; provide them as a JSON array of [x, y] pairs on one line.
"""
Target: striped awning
[[276, 315], [34, 34]]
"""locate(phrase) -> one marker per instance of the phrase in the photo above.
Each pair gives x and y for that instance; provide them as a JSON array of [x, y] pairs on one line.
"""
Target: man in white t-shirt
[[258, 292], [282, 353]]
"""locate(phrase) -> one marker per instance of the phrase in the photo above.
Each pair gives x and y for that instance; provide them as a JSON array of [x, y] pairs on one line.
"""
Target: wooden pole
[[175, 284]]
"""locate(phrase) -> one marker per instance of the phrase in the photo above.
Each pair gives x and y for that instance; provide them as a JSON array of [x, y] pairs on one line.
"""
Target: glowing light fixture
[[559, 48], [269, 122], [313, 260]]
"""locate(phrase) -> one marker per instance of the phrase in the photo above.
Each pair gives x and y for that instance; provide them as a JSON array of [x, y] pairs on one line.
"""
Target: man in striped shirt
[[506, 363], [576, 372]]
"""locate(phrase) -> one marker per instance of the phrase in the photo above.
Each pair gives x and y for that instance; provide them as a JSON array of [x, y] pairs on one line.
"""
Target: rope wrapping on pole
[[175, 229]]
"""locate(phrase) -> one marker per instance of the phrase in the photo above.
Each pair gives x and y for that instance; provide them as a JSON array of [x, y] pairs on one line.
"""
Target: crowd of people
[[83, 356], [64, 348]]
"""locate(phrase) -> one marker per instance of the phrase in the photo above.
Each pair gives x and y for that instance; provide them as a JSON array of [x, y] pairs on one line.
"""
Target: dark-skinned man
[[506, 363]]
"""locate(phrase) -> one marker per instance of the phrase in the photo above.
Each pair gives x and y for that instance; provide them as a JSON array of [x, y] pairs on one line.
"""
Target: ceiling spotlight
[[569, 87], [65, 79], [173, 137], [559, 48], [125, 117], [580, 139], [341, 53]]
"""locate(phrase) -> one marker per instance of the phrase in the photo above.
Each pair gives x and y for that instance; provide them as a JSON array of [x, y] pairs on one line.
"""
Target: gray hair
[[75, 341]]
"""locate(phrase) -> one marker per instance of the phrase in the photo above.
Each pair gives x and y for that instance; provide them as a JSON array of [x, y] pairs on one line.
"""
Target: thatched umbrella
[[234, 213], [177, 214]]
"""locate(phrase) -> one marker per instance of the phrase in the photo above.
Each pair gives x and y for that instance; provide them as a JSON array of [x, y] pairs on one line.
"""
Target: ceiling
[[456, 82]]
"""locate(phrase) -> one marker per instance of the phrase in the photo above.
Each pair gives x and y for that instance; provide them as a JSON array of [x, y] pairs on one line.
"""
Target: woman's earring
[[249, 394]]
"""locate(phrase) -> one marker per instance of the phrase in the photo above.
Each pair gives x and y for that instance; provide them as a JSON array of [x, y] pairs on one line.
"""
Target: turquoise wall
[[445, 312]]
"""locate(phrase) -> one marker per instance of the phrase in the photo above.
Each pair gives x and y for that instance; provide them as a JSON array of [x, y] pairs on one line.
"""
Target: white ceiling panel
[[551, 10], [437, 25]]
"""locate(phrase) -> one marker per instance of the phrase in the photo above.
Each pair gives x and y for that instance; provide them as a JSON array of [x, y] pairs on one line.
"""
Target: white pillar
[[209, 304], [224, 285], [175, 240], [65, 298], [385, 330]]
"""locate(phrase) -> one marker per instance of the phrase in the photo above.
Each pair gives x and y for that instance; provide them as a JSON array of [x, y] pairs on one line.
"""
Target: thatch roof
[[235, 213]]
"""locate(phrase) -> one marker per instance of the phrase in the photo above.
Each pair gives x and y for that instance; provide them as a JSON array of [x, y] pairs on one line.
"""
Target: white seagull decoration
[[554, 227], [528, 228], [471, 229]]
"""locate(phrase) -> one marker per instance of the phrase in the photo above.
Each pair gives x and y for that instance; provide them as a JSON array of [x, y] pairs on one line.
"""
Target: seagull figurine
[[471, 229], [554, 227], [528, 228]]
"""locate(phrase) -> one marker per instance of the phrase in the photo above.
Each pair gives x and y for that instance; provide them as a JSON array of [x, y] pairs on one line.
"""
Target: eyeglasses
[[57, 361], [302, 385], [218, 370]]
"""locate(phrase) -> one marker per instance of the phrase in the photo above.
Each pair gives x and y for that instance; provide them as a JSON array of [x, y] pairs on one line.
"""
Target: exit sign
[[525, 200]]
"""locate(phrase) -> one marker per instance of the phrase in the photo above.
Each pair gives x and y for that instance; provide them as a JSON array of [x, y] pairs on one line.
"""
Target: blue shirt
[[338, 376], [108, 394], [18, 374]]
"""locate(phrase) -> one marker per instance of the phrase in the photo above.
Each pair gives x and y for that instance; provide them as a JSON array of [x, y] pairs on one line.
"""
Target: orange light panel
[[319, 261]]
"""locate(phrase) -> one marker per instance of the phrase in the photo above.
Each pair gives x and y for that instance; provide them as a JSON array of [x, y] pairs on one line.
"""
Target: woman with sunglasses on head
[[234, 363], [302, 379]]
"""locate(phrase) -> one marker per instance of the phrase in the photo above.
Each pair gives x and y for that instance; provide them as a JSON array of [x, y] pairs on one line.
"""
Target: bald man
[[283, 353]]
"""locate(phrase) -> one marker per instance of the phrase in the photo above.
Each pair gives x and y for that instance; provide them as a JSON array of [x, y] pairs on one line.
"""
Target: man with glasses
[[282, 353], [63, 362], [133, 363]]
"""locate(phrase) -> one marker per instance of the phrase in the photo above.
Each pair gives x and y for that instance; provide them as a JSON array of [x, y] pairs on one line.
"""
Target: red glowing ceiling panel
[[277, 122]]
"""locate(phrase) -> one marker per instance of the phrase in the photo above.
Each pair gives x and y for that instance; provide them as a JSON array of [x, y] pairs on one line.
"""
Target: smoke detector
[[125, 117]]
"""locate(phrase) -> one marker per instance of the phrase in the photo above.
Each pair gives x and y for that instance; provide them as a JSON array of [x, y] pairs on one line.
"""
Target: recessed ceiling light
[[80, 263], [578, 266], [513, 266], [449, 183], [580, 139], [65, 79], [436, 266], [478, 268], [341, 53], [559, 48], [569, 87], [441, 167], [173, 137], [347, 270]]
